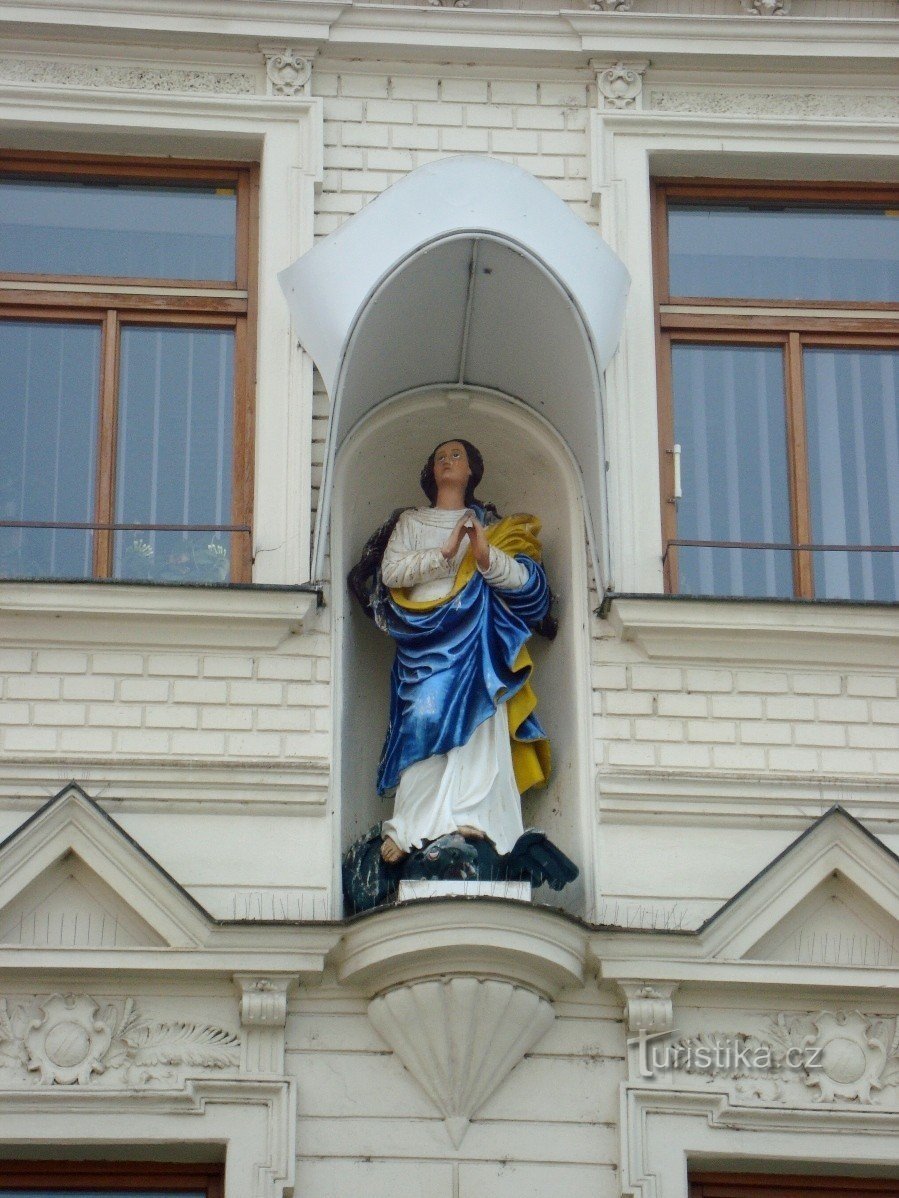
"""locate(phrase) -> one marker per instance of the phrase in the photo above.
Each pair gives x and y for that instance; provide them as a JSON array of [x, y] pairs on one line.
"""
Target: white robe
[[473, 784]]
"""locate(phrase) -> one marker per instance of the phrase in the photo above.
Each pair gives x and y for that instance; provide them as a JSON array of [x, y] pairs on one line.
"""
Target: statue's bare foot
[[391, 853], [471, 833]]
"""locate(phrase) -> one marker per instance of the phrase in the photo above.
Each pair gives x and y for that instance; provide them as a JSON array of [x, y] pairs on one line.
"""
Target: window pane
[[117, 230], [787, 253], [49, 403], [729, 420], [174, 457], [852, 414]]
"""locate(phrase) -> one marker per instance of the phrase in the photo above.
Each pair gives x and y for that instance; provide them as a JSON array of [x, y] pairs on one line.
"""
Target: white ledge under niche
[[152, 614], [672, 628], [461, 990]]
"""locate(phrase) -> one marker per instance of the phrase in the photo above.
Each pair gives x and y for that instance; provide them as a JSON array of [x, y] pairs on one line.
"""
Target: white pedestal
[[420, 889]]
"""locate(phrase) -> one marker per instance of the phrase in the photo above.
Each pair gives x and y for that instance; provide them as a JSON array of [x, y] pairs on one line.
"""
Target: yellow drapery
[[513, 535]]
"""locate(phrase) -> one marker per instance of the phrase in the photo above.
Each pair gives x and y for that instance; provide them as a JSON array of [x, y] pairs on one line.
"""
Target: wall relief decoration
[[65, 1040], [460, 590], [52, 72], [828, 1057], [779, 103], [288, 71]]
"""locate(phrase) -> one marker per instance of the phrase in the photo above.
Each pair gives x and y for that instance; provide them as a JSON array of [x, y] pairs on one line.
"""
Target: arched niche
[[468, 272], [527, 468]]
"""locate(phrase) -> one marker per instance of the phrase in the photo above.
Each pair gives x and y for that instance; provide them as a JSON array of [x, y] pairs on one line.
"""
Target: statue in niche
[[460, 590]]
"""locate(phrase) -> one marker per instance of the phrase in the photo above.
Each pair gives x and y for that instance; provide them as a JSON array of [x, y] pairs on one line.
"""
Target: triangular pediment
[[71, 877], [831, 898], [835, 924], [69, 905]]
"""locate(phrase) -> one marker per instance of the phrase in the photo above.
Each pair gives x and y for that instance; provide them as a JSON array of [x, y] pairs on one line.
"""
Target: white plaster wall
[[707, 765], [366, 1127]]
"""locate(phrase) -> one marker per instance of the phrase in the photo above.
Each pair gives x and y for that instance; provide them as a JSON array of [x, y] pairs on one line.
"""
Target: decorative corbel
[[288, 69], [766, 8], [619, 85], [648, 1006], [263, 1018]]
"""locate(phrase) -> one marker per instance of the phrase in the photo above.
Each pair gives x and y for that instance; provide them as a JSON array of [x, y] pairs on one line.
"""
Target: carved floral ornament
[[620, 84], [66, 1040], [832, 1057], [288, 70]]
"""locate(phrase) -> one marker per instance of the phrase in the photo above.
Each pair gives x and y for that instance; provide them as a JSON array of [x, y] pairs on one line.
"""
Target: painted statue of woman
[[465, 591]]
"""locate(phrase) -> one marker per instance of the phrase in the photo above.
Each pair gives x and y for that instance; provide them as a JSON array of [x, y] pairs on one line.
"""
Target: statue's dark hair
[[475, 461]]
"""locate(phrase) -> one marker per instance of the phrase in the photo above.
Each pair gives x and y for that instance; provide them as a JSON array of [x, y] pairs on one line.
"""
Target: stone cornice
[[511, 941], [564, 37], [676, 629], [35, 613]]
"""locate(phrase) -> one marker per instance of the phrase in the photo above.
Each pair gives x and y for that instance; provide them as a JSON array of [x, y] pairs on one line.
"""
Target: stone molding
[[728, 631], [60, 613], [253, 1118], [58, 72], [188, 785], [782, 103], [650, 794], [538, 949], [660, 1127]]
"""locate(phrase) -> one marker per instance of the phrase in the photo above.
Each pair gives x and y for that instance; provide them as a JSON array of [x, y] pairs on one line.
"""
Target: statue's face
[[451, 464]]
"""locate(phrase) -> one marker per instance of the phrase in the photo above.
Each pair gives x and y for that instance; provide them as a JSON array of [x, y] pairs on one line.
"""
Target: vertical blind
[[49, 406], [175, 440], [729, 418], [852, 417]]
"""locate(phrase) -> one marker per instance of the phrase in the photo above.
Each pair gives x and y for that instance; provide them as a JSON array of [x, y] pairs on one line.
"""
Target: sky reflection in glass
[[784, 253], [117, 230]]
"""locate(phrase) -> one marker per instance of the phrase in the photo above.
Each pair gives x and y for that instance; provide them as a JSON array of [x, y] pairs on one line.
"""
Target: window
[[126, 302], [778, 315], [764, 1185], [109, 1179]]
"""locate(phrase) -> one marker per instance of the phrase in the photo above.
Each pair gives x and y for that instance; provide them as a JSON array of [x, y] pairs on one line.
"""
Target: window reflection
[[117, 230], [786, 253]]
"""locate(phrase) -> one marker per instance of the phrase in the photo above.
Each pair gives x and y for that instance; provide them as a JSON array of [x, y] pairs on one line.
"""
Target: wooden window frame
[[789, 324], [793, 1185], [112, 303], [135, 1177]]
